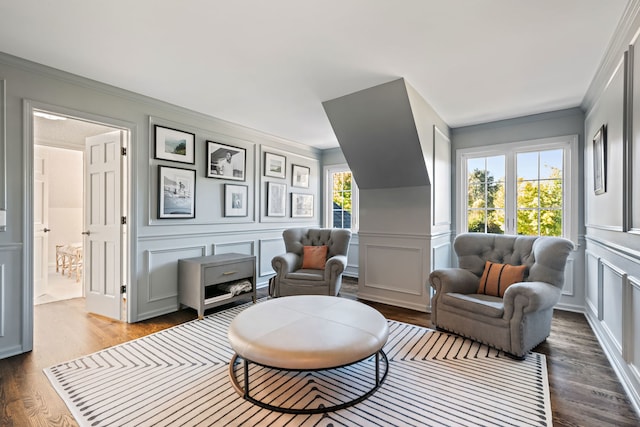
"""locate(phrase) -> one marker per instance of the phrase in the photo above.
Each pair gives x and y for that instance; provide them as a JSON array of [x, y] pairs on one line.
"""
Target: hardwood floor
[[584, 388]]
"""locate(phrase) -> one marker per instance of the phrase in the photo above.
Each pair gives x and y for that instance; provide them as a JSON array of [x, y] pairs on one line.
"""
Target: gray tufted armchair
[[519, 320], [292, 279]]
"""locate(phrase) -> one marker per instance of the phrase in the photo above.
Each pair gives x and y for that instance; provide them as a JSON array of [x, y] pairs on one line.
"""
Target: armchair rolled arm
[[335, 266], [529, 297], [456, 280], [285, 263]]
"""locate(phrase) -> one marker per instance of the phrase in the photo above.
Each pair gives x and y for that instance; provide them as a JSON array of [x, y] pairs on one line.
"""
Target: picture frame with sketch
[[276, 199], [275, 165], [301, 205]]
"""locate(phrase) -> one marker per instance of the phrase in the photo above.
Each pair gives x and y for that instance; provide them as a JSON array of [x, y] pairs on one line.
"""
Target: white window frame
[[568, 143], [328, 196]]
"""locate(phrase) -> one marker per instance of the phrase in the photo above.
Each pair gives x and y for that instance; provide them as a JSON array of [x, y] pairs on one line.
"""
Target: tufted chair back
[[336, 239], [544, 256]]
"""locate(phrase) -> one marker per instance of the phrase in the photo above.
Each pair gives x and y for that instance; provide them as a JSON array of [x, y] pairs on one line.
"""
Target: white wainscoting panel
[[441, 256], [568, 276], [633, 336], [394, 270], [384, 263], [593, 284], [268, 249], [3, 309], [613, 280], [245, 248], [353, 256], [162, 271]]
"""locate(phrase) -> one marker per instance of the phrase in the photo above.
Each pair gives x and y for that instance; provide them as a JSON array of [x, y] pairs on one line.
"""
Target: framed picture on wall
[[226, 162], [174, 145], [300, 176], [276, 199], [176, 192], [301, 205], [600, 160], [235, 200], [275, 165]]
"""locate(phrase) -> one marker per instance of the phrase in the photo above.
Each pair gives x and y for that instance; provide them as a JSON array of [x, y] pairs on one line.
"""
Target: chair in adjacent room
[[503, 291], [313, 264]]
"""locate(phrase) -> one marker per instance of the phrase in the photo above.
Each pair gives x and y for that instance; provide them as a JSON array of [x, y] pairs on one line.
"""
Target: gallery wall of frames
[[203, 178]]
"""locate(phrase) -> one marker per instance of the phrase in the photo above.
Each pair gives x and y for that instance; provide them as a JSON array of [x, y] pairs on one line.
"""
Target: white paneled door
[[40, 222], [102, 261]]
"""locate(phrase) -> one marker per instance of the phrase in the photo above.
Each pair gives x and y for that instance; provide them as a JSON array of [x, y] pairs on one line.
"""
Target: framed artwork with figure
[[235, 200], [225, 161], [176, 192]]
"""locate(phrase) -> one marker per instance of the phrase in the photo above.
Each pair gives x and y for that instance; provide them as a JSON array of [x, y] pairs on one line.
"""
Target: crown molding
[[627, 30]]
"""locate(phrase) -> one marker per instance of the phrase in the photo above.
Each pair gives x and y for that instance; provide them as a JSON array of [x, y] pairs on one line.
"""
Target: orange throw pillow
[[496, 278], [314, 257]]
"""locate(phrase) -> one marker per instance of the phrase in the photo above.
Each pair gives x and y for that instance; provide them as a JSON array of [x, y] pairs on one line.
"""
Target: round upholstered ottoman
[[308, 332]]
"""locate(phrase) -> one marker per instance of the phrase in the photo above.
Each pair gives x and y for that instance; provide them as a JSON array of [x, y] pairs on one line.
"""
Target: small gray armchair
[[292, 279], [520, 319]]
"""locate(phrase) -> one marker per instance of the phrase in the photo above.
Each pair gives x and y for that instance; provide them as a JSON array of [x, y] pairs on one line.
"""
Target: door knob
[[86, 232], [46, 230]]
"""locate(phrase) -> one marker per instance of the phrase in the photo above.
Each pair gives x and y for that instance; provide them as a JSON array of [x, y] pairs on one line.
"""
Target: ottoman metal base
[[245, 391]]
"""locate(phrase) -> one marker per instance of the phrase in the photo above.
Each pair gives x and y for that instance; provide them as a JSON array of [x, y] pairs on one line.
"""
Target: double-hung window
[[525, 188], [341, 198]]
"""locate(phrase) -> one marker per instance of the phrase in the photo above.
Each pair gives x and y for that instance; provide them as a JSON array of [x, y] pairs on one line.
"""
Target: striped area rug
[[179, 377]]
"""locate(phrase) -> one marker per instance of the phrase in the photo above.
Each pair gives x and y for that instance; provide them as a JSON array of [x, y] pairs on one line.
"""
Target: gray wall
[[155, 244], [612, 219], [547, 125]]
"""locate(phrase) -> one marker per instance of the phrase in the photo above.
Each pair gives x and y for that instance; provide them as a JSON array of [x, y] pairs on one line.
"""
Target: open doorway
[[59, 204]]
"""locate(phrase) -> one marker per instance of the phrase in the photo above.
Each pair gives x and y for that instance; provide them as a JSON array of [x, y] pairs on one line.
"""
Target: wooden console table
[[209, 281]]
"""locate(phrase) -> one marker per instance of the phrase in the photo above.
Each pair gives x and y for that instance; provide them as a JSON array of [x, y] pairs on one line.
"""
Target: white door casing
[[102, 263], [40, 222]]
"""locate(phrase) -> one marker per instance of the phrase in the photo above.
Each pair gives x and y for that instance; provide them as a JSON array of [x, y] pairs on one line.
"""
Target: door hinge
[[123, 289], [123, 220], [123, 150]]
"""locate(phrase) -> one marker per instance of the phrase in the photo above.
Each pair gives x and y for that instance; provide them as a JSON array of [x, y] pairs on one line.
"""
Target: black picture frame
[[275, 165], [600, 161], [300, 176], [176, 192], [226, 161], [174, 145], [236, 198]]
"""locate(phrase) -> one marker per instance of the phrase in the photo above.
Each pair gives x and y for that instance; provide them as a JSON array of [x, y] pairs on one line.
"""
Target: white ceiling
[[269, 65]]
